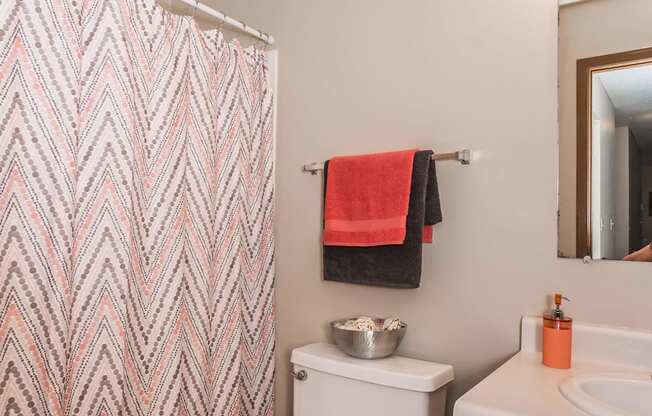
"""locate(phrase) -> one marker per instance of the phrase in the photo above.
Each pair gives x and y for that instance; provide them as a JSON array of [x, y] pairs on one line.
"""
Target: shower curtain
[[136, 199]]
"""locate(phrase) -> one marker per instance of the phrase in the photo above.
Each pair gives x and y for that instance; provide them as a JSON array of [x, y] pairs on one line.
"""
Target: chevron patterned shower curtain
[[136, 243]]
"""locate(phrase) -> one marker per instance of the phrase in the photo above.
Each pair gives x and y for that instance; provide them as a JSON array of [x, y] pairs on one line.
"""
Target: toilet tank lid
[[399, 372]]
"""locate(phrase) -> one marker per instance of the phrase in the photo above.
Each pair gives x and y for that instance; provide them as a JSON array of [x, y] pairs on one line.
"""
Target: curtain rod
[[259, 34], [229, 21], [563, 3], [464, 156]]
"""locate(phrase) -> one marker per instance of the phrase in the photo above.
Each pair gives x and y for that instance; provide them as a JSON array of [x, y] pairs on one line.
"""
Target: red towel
[[427, 234], [367, 199]]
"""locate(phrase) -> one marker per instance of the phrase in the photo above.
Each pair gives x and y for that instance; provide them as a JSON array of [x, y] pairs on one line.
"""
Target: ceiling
[[630, 91]]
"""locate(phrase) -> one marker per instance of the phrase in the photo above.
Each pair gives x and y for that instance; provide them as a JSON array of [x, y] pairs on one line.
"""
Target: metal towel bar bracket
[[463, 156]]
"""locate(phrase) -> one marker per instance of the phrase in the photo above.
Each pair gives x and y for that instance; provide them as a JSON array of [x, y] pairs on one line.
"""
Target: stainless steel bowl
[[369, 345]]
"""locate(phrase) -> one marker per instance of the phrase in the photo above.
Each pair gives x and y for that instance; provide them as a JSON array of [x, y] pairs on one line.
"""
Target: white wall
[[635, 194], [603, 207], [621, 190], [372, 75]]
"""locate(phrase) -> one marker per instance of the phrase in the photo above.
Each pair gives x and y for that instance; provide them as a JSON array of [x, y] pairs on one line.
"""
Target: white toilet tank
[[336, 384]]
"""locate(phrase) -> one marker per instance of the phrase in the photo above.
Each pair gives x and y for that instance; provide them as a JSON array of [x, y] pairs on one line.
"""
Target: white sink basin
[[610, 394]]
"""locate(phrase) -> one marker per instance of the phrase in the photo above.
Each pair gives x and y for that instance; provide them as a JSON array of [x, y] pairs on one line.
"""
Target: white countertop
[[523, 386]]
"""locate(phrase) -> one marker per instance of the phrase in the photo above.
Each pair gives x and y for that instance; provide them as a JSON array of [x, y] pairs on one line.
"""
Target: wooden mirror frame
[[585, 69]]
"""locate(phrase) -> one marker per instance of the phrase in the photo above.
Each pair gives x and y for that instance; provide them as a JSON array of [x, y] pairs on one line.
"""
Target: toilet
[[327, 382]]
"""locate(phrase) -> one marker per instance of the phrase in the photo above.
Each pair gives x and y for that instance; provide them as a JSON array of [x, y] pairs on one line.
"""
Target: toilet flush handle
[[300, 375]]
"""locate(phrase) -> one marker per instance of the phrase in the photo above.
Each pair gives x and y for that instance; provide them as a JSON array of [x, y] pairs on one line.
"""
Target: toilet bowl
[[331, 383]]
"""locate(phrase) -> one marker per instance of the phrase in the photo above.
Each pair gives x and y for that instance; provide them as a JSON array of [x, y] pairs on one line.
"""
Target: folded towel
[[367, 199], [433, 205], [391, 265]]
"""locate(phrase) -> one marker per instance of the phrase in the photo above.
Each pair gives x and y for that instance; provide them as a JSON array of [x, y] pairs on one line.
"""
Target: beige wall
[[593, 28], [372, 75]]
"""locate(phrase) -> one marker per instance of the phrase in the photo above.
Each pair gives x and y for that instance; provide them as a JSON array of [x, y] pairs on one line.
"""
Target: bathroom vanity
[[611, 375]]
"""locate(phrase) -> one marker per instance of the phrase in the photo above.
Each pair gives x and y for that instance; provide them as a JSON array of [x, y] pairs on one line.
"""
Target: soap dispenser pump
[[557, 336]]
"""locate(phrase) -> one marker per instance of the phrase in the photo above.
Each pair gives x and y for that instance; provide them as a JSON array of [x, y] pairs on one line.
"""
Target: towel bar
[[463, 156]]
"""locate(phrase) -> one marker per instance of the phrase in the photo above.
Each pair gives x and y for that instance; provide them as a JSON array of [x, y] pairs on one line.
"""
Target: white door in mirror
[[610, 394]]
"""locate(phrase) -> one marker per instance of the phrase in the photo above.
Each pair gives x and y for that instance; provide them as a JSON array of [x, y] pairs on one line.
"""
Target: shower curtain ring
[[194, 10], [262, 42], [266, 44], [220, 28]]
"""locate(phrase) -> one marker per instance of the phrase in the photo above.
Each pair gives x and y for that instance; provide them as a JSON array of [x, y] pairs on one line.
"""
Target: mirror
[[605, 141]]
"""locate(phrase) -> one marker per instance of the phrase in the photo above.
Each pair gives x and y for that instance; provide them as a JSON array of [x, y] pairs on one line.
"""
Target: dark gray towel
[[433, 206], [391, 266]]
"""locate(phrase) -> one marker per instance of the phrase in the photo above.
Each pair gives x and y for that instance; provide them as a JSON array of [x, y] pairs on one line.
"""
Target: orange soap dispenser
[[557, 337]]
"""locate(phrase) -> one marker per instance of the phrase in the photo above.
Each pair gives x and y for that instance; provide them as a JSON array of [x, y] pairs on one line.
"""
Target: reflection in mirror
[[621, 161], [605, 157]]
